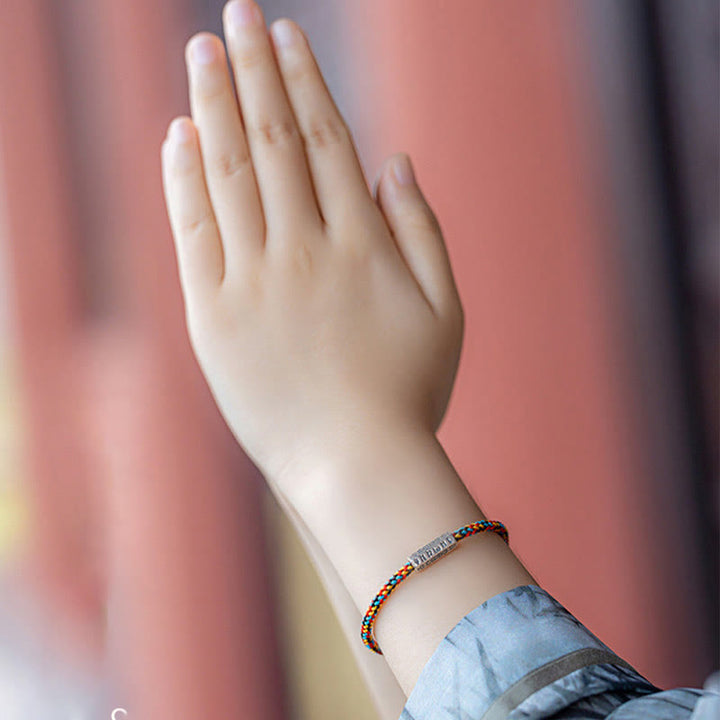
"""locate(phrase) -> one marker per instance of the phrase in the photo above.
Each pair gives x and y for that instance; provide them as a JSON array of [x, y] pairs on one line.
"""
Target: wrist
[[348, 454], [393, 486], [382, 467], [374, 504], [370, 506]]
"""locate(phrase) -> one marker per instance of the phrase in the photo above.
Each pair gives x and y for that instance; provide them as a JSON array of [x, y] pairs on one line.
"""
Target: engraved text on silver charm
[[433, 551]]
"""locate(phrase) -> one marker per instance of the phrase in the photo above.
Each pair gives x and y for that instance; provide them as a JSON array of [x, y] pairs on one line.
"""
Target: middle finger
[[273, 136]]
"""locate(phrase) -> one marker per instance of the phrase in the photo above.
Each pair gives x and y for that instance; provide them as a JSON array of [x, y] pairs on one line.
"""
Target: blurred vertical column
[[655, 68], [138, 489], [40, 223], [495, 104]]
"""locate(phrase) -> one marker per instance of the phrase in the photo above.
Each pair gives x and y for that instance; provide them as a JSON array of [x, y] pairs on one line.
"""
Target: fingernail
[[283, 33], [242, 13], [203, 50], [403, 170], [180, 131]]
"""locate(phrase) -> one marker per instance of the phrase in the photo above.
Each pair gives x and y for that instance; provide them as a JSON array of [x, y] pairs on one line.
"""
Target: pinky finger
[[198, 244]]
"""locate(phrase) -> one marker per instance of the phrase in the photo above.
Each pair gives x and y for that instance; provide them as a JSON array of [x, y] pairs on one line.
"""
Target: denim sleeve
[[522, 655]]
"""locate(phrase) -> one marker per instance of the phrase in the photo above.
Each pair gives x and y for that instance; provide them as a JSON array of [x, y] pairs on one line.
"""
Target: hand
[[314, 309]]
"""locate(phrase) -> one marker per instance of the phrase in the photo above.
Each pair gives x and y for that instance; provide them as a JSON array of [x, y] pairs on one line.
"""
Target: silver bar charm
[[433, 551]]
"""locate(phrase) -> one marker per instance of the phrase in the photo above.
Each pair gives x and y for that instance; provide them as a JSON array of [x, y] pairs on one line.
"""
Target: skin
[[328, 325]]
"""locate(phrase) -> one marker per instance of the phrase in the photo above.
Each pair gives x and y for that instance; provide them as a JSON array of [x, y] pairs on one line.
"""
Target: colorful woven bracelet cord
[[419, 560]]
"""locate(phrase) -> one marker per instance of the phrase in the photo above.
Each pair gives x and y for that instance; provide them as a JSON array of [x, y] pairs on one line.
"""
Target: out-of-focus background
[[570, 150]]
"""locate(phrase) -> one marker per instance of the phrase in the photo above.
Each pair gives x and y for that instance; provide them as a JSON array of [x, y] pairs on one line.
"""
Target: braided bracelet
[[419, 560]]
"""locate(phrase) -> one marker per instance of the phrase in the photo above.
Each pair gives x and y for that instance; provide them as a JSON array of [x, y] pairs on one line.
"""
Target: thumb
[[416, 231]]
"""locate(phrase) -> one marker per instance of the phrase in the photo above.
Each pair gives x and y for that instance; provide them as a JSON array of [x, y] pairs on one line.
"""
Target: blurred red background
[[570, 152]]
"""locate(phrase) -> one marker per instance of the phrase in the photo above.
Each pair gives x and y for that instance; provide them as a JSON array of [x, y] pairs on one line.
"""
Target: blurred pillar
[[137, 485], [40, 221]]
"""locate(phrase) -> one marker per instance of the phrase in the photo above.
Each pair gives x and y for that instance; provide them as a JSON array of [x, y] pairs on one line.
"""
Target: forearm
[[388, 697], [372, 502]]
